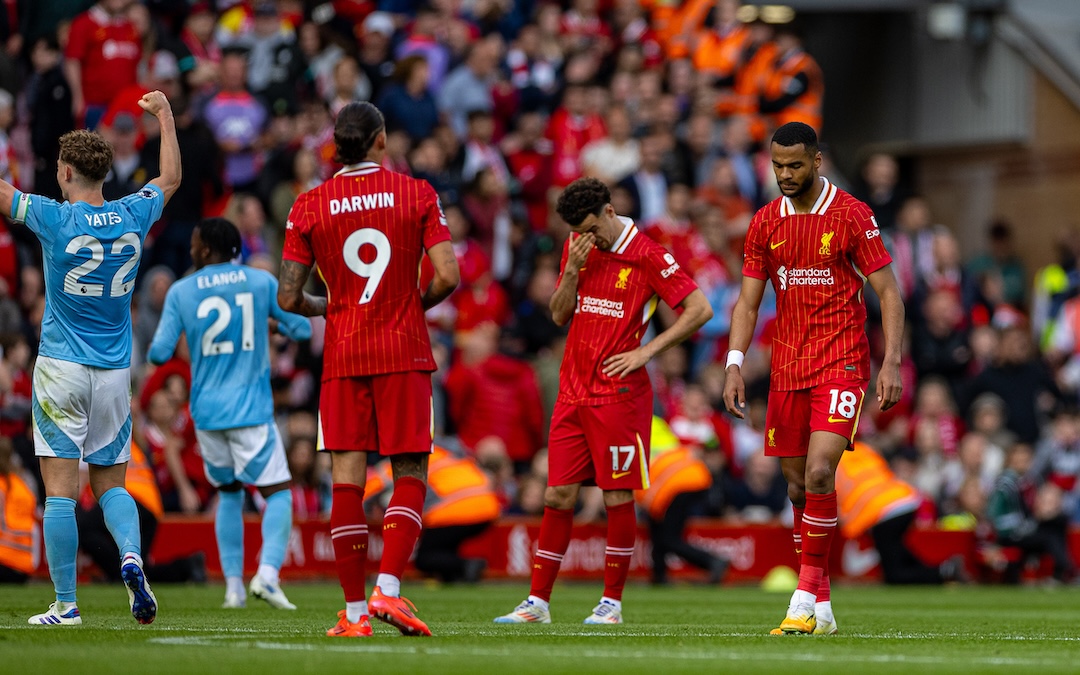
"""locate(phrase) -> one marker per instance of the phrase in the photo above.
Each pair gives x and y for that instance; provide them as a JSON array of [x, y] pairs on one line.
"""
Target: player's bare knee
[[819, 479], [617, 497], [562, 497]]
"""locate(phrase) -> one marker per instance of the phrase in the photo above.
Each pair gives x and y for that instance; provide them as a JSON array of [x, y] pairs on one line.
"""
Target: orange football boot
[[361, 628], [398, 612]]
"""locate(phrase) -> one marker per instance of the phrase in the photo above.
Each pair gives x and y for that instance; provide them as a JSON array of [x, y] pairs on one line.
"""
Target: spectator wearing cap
[[407, 104], [102, 57], [469, 86], [162, 73], [237, 119], [375, 57], [124, 176]]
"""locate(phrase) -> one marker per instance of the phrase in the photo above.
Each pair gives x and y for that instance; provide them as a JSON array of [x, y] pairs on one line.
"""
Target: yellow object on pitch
[[780, 579]]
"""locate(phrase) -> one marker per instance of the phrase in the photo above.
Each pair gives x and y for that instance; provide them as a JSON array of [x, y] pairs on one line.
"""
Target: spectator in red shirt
[[101, 58], [528, 156], [571, 128], [15, 386], [494, 394]]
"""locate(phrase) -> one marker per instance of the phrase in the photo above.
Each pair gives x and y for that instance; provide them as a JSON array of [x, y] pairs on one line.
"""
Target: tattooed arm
[[291, 295], [447, 275]]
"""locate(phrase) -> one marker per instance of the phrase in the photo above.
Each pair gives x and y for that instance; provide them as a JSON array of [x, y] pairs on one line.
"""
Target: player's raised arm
[[447, 274], [564, 300], [291, 296], [170, 171], [889, 387], [743, 322], [696, 311]]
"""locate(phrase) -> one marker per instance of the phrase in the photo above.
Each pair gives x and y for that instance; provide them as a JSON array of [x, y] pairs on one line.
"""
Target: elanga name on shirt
[[222, 278], [375, 200]]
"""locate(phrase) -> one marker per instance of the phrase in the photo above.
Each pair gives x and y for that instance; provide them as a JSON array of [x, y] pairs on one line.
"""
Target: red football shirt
[[366, 229], [109, 49], [816, 263], [616, 296]]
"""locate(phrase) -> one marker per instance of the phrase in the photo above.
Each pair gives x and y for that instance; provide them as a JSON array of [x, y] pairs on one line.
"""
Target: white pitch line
[[682, 654]]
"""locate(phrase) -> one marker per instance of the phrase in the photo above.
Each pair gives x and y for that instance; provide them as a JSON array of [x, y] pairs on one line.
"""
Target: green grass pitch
[[669, 630]]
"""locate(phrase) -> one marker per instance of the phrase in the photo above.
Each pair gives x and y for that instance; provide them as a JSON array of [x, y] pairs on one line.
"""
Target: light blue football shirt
[[224, 310], [91, 258]]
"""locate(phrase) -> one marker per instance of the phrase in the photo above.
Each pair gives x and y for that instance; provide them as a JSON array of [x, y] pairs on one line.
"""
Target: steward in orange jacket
[[679, 482], [460, 505], [18, 505], [870, 498], [795, 88]]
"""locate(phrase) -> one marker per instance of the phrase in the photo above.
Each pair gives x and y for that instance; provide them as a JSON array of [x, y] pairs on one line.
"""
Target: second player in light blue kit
[[224, 309]]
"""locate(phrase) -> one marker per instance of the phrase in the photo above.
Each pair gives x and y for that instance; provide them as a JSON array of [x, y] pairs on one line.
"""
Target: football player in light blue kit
[[82, 384], [225, 309]]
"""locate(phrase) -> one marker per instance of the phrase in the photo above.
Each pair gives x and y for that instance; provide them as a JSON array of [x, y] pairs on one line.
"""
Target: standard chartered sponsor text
[[602, 306], [810, 276]]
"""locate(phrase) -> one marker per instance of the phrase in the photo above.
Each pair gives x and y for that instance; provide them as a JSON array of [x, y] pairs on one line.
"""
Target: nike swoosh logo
[[817, 534], [836, 420], [616, 476], [777, 244]]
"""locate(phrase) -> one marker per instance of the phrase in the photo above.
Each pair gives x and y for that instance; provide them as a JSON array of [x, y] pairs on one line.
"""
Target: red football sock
[[824, 589], [819, 525], [349, 534], [796, 533], [555, 531], [621, 533], [401, 524]]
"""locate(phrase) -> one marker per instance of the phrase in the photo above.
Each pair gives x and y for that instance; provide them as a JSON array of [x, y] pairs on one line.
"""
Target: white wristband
[[734, 358]]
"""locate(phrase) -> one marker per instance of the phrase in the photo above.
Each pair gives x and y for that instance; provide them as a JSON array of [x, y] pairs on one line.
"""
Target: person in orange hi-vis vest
[[758, 59], [18, 504], [95, 540], [870, 498], [679, 482], [795, 88], [460, 505], [718, 52]]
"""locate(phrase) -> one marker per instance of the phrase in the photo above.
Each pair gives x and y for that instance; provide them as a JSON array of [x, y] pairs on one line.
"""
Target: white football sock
[[269, 574], [542, 604], [617, 604], [823, 611], [355, 610], [234, 586], [389, 585], [802, 599]]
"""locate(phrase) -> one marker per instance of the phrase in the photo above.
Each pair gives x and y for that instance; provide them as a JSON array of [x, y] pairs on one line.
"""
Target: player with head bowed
[[82, 382], [815, 244], [224, 309], [612, 278], [367, 229]]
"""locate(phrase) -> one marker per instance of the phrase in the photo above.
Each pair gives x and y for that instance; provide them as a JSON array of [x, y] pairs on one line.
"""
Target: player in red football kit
[[367, 229], [612, 277], [815, 244]]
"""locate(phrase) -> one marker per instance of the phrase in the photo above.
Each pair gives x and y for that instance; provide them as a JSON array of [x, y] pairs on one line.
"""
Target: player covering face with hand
[[815, 244], [612, 278]]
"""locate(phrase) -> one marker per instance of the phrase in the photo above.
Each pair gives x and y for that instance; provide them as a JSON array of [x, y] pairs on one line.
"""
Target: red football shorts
[[608, 444], [389, 414], [793, 415]]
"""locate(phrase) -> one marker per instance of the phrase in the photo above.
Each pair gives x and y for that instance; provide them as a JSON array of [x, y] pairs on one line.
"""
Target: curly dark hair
[[88, 153], [358, 125], [220, 236], [581, 198]]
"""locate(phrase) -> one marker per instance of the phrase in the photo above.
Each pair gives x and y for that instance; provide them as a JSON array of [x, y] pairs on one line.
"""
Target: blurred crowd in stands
[[499, 104]]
